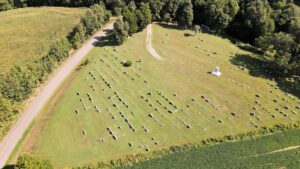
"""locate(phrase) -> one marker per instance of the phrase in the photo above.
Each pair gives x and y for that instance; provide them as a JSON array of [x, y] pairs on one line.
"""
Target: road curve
[[149, 44], [15, 134]]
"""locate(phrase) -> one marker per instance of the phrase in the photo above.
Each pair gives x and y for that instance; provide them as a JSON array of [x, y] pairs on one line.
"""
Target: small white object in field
[[216, 72]]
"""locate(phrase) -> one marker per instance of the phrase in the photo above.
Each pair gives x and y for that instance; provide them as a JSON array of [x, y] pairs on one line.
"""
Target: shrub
[[128, 63], [30, 161]]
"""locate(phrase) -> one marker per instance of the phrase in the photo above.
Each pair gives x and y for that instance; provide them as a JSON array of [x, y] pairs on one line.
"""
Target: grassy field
[[257, 153], [161, 100], [27, 33]]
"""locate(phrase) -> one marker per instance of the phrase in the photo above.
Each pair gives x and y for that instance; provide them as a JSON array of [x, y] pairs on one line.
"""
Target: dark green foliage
[[7, 110], [132, 6], [76, 41], [6, 5], [216, 14], [144, 16], [283, 14], [92, 20], [128, 63], [170, 7], [89, 21], [17, 84], [116, 6], [253, 20], [81, 30], [156, 7], [282, 51], [86, 62], [120, 31], [167, 18], [185, 14], [30, 161], [131, 18], [60, 50]]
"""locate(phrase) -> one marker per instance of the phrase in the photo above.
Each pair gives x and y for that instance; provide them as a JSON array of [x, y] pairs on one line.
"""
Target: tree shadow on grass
[[9, 166], [188, 34], [259, 68], [105, 41], [250, 48], [171, 26], [252, 64]]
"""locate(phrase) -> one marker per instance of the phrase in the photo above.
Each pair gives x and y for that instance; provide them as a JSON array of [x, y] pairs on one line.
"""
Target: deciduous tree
[[144, 16], [185, 14], [120, 31], [131, 18], [30, 161]]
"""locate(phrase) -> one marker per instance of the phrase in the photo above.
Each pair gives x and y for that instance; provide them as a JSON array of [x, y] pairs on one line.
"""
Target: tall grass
[[26, 34]]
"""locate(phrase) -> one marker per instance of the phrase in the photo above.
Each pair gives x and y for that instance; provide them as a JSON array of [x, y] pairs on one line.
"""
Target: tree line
[[270, 25], [19, 82], [134, 20]]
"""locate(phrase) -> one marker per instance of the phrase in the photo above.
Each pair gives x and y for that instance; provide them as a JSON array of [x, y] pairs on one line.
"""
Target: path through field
[[10, 141], [149, 44], [276, 151]]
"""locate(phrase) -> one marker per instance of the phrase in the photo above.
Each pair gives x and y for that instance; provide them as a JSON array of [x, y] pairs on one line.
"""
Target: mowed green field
[[264, 152], [160, 99], [27, 33]]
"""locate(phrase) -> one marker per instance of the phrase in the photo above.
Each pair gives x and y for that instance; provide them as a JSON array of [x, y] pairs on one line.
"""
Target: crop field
[[108, 110], [27, 33], [242, 154]]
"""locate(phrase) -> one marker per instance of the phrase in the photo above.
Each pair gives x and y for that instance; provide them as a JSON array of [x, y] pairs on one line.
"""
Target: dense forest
[[270, 25]]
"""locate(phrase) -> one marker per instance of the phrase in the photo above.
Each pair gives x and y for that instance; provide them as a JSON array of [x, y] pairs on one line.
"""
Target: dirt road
[[12, 138], [149, 44]]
